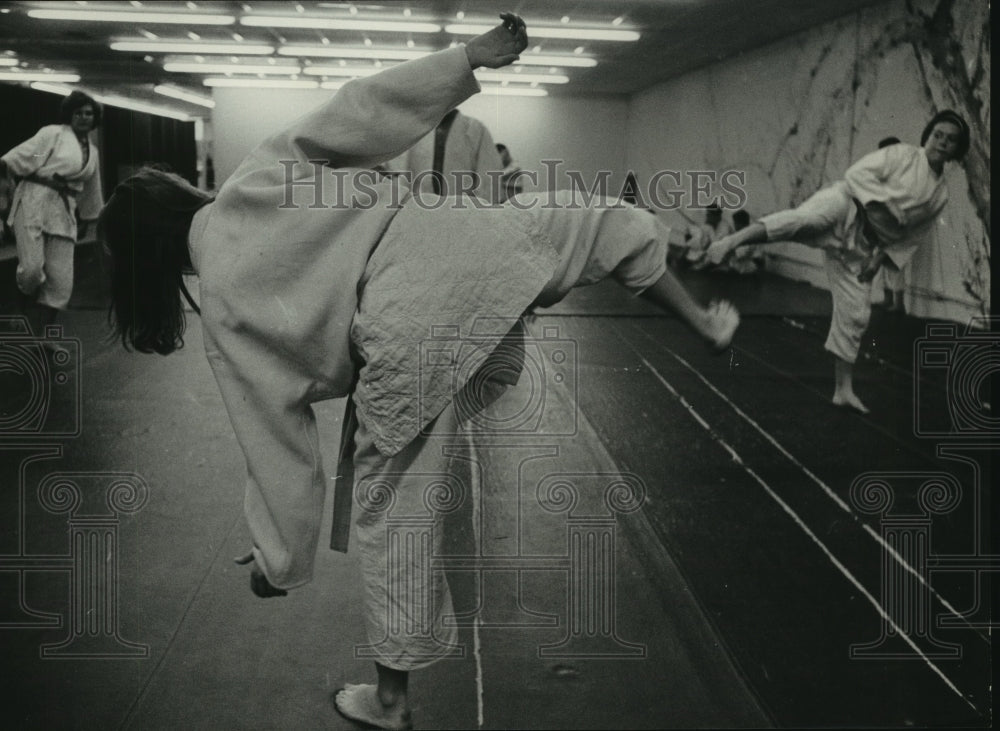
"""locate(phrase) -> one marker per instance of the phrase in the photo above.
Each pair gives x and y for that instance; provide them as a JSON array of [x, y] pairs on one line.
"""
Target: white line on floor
[[476, 489], [822, 485], [798, 521]]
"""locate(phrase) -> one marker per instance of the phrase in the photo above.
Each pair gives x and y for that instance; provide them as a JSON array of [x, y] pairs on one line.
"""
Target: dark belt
[[64, 191], [343, 485], [865, 237]]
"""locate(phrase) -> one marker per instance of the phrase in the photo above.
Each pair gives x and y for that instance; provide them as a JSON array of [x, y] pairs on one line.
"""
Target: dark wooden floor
[[795, 565]]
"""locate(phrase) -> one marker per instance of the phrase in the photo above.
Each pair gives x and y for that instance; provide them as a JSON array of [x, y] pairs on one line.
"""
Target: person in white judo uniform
[[59, 179], [302, 301], [459, 153], [883, 209]]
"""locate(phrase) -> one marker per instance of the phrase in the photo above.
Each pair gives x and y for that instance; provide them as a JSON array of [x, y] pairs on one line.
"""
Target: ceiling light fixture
[[60, 89], [553, 60], [182, 67], [586, 34], [183, 95], [7, 61], [341, 70], [126, 103], [540, 78], [386, 54], [243, 49], [261, 83], [38, 76], [132, 16], [514, 91], [389, 26]]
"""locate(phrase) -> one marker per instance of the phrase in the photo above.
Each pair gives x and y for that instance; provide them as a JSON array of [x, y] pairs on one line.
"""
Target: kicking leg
[[717, 323]]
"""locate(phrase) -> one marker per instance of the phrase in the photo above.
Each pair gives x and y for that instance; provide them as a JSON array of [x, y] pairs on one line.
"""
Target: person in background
[[882, 210], [748, 259], [701, 237], [58, 180], [510, 180], [459, 152]]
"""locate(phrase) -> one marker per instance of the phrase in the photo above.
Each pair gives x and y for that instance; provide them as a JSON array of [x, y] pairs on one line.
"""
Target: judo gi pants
[[44, 264], [401, 506], [828, 220]]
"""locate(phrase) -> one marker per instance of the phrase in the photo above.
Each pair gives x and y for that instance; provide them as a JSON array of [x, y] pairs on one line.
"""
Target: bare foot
[[361, 703], [850, 401], [723, 319]]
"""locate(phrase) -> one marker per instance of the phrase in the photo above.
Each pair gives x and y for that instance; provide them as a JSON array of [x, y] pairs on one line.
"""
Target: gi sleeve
[[376, 118], [276, 429], [31, 154]]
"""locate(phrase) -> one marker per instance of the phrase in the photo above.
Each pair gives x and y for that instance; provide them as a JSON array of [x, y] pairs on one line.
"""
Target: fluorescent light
[[391, 26], [60, 89], [406, 54], [183, 95], [262, 83], [241, 49], [587, 34], [522, 78], [341, 70], [395, 54], [229, 68], [38, 76], [132, 16], [126, 103], [533, 59], [514, 91], [8, 61], [332, 84]]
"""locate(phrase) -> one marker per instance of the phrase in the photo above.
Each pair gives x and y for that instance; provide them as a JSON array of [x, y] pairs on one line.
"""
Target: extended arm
[[375, 118], [31, 154]]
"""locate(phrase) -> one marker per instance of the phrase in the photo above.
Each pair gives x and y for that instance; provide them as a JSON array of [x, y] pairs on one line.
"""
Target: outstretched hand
[[259, 584], [500, 46]]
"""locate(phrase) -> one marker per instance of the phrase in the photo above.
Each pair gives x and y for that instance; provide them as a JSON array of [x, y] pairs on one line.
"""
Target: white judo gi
[[469, 148], [897, 176], [301, 304], [44, 218]]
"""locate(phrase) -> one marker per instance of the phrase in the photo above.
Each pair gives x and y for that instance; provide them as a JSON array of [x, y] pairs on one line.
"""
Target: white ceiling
[[675, 36]]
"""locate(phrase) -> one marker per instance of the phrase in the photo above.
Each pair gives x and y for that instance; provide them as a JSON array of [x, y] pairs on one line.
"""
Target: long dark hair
[[145, 228]]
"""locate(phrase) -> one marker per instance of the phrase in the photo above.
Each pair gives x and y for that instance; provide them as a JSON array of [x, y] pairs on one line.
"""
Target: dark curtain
[[127, 140]]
